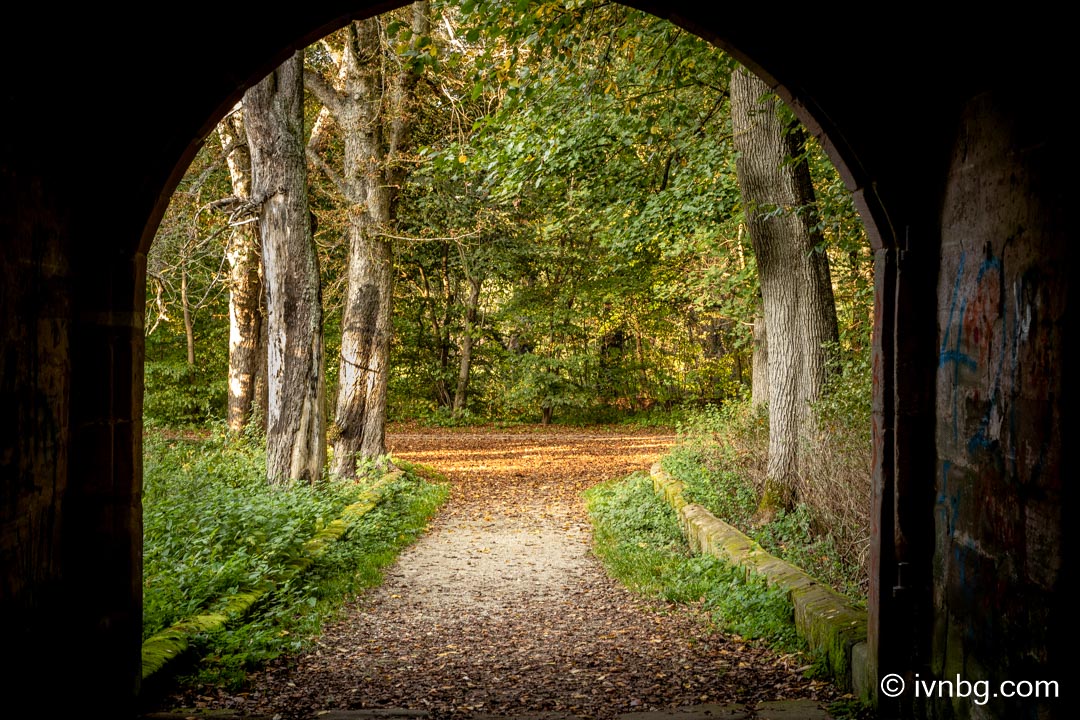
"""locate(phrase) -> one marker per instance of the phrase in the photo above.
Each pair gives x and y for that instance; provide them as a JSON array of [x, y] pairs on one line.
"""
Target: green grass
[[212, 526], [638, 538], [711, 479]]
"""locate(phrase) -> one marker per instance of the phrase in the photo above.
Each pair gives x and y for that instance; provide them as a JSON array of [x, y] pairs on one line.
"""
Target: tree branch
[[319, 130], [332, 175], [324, 92]]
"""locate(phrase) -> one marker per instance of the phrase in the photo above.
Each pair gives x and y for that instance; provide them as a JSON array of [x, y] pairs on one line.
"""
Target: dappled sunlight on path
[[501, 608], [536, 465]]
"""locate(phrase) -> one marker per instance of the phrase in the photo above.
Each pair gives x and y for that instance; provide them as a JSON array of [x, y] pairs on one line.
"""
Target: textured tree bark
[[295, 435], [442, 332], [245, 281], [360, 416], [759, 380], [796, 289], [467, 339], [189, 321], [370, 101]]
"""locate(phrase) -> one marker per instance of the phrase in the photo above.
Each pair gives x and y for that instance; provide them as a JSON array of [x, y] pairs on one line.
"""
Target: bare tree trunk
[[295, 437], [799, 312], [189, 322], [261, 393], [245, 276], [360, 417], [370, 102], [467, 340], [759, 381], [442, 332]]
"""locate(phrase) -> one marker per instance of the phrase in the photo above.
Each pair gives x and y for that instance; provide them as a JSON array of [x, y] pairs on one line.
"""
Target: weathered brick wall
[[999, 487], [35, 389], [71, 311]]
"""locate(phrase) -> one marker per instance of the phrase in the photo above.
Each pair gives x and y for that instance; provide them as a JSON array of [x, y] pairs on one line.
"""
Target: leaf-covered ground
[[502, 608]]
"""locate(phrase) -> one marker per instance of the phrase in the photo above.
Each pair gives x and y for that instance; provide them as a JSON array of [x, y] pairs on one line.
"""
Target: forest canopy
[[561, 222]]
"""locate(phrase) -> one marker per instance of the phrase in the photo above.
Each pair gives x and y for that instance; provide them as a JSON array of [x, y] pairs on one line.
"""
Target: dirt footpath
[[501, 607]]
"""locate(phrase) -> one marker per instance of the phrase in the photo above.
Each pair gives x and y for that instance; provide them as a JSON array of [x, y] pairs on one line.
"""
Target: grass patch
[[721, 462], [213, 526], [637, 536]]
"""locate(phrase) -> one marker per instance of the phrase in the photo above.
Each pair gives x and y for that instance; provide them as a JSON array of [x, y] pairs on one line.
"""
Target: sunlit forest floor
[[502, 606]]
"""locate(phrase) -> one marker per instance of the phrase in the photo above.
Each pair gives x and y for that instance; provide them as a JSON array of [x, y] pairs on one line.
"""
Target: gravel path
[[501, 607]]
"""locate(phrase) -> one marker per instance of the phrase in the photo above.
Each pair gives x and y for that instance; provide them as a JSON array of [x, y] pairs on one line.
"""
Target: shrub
[[214, 526], [722, 458]]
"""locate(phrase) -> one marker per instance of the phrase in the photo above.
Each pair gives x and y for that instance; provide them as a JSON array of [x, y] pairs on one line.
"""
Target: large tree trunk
[[245, 281], [467, 339], [295, 435], [371, 104], [796, 291], [360, 417], [759, 380]]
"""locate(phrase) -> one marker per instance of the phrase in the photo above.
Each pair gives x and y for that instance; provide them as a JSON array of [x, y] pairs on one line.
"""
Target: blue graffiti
[[954, 355], [949, 504]]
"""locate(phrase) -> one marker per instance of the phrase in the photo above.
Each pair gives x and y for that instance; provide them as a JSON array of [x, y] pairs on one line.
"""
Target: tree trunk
[[360, 418], [372, 107], [759, 381], [467, 346], [189, 321], [245, 276], [261, 393], [295, 435], [443, 398], [796, 291]]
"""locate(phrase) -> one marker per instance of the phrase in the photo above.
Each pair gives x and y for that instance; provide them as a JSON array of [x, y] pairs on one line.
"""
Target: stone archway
[[906, 109]]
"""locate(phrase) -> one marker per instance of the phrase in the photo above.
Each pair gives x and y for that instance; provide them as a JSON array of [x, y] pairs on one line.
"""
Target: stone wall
[[832, 626], [999, 555]]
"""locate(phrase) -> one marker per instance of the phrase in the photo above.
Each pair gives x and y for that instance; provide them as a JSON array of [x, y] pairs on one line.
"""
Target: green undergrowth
[[790, 536], [214, 528], [637, 536], [720, 462]]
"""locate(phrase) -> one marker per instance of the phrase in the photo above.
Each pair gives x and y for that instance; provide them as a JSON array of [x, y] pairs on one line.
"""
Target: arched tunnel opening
[[963, 191]]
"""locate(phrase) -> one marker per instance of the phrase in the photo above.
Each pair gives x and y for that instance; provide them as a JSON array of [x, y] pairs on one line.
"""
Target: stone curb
[[160, 648], [832, 626]]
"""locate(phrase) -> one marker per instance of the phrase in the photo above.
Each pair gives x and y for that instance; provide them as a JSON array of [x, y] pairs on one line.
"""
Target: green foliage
[[444, 417], [594, 192], [638, 538], [177, 395], [575, 158], [792, 536], [292, 619], [846, 402], [213, 526], [185, 268], [706, 482], [721, 462]]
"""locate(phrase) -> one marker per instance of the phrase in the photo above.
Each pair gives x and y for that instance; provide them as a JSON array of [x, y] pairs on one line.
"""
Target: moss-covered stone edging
[[160, 648], [832, 626]]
